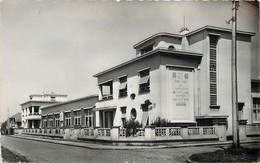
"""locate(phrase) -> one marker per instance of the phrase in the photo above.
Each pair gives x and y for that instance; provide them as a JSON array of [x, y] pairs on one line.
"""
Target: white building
[[184, 78], [31, 113]]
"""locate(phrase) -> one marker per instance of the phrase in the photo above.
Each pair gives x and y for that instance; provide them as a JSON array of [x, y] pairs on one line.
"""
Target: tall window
[[256, 109], [57, 120], [213, 70], [123, 86], [50, 120], [44, 122], [89, 118], [123, 118], [144, 83], [77, 118], [67, 119]]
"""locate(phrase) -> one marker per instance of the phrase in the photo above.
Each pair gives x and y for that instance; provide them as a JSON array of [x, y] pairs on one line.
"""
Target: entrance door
[[107, 118]]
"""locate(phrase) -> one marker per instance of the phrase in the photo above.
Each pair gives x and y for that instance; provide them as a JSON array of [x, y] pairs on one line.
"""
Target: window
[[133, 114], [44, 122], [107, 90], [50, 121], [89, 118], [147, 49], [256, 109], [144, 83], [77, 118], [213, 70], [57, 120], [123, 118], [67, 119], [52, 98], [123, 86]]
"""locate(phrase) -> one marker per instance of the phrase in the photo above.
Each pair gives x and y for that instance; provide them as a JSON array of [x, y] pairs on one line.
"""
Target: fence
[[160, 133], [167, 131], [104, 132]]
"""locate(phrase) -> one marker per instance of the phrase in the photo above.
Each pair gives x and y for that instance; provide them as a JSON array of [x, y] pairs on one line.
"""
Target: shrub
[[131, 127], [161, 122]]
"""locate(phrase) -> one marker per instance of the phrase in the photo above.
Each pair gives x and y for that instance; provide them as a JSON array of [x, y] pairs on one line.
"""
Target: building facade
[[184, 78], [15, 121], [70, 114], [31, 113]]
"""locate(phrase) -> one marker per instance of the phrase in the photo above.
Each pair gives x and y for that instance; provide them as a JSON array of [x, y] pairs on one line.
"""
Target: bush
[[161, 122], [131, 127]]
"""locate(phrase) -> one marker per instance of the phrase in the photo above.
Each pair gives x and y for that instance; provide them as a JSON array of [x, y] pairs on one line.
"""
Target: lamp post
[[235, 128]]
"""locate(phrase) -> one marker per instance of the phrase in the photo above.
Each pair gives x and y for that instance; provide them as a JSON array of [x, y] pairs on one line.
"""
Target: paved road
[[48, 152]]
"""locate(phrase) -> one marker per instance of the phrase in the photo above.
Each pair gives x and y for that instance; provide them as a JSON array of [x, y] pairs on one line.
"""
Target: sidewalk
[[110, 147]]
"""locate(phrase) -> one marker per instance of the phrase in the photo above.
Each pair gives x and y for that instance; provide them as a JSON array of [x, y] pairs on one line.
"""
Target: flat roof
[[158, 35], [219, 29], [191, 33], [70, 101], [48, 94], [181, 52], [39, 102]]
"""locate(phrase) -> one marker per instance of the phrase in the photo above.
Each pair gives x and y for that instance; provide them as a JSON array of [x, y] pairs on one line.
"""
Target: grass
[[9, 156], [229, 155]]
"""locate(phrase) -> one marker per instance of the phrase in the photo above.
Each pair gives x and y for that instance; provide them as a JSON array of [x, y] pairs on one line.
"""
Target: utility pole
[[235, 119]]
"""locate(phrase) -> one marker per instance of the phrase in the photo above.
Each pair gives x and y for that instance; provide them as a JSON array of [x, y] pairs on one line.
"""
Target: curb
[[105, 147]]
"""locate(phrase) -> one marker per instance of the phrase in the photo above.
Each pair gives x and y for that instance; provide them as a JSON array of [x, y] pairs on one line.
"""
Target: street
[[48, 152]]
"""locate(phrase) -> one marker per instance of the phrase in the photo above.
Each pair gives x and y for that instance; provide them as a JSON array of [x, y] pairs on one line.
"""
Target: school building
[[184, 78]]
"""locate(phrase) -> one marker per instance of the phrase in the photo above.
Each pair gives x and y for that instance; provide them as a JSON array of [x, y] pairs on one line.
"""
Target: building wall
[[200, 42], [83, 103], [133, 87]]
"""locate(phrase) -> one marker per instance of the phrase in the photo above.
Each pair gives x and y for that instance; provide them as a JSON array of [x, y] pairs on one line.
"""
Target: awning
[[105, 108], [144, 80], [144, 118], [122, 85]]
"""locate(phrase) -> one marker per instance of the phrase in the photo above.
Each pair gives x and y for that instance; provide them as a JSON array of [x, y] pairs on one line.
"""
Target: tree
[[4, 127]]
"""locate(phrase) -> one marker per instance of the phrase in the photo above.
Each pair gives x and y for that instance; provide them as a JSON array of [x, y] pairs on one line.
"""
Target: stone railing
[[116, 133], [88, 132], [167, 131], [104, 132]]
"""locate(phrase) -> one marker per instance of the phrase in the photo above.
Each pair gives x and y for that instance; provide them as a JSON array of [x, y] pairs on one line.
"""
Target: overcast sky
[[57, 45]]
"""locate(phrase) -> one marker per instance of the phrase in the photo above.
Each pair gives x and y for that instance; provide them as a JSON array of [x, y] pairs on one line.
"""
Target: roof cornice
[[208, 27], [39, 102], [70, 101], [157, 35], [179, 52]]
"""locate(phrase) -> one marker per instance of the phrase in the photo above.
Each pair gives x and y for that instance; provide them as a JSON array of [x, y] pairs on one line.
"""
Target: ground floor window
[[89, 118], [50, 121], [44, 122], [256, 109], [77, 118], [67, 119], [57, 120]]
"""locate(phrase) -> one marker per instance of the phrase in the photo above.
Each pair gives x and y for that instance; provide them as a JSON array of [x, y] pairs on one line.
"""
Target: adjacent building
[[184, 78], [70, 114], [31, 113], [15, 121]]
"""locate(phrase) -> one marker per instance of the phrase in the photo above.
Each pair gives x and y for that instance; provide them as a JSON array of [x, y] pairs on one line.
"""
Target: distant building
[[31, 113], [15, 121], [184, 78], [70, 114]]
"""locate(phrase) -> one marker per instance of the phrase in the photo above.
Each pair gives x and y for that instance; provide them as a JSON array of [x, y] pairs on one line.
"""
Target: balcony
[[35, 116]]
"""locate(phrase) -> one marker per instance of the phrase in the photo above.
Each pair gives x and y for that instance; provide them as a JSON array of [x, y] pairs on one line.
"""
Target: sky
[[58, 45]]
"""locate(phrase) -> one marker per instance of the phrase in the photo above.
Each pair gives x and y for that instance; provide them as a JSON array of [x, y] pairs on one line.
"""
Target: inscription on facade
[[180, 89]]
